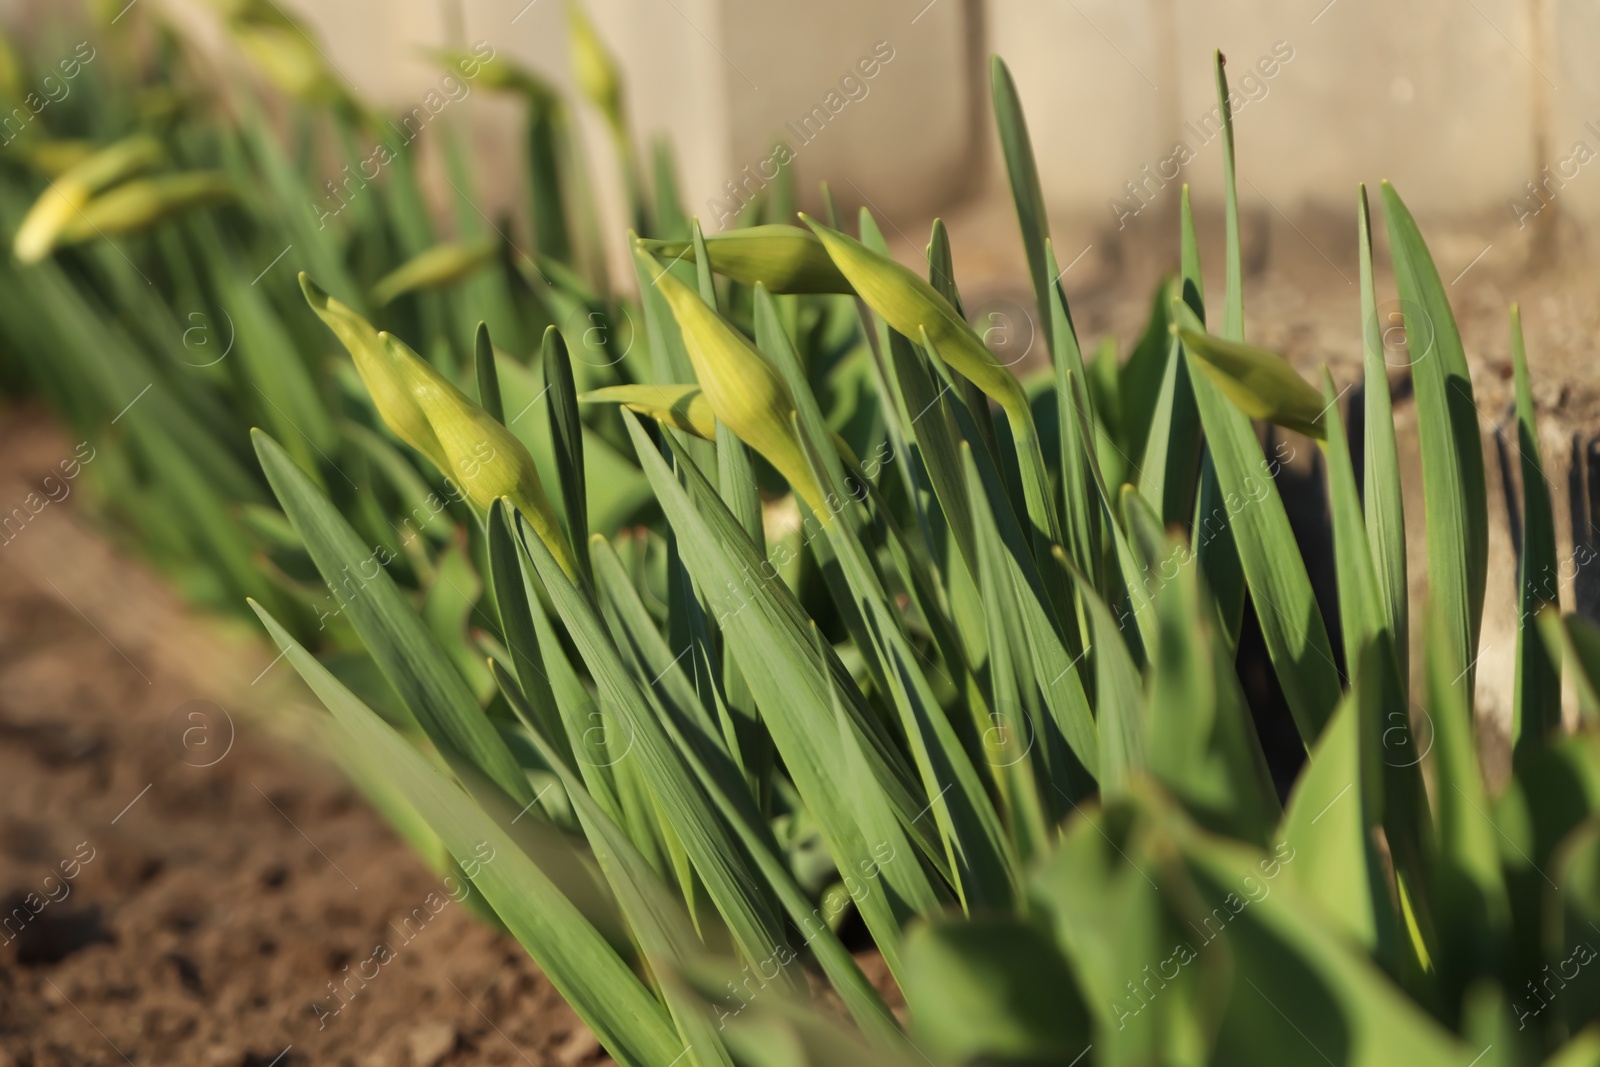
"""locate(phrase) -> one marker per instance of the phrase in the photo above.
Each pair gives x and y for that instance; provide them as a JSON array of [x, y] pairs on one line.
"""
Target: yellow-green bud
[[66, 197], [1259, 383], [594, 69], [55, 158], [10, 71], [390, 392], [285, 55], [496, 72], [786, 259], [744, 392], [684, 407], [439, 266], [483, 457], [143, 202], [911, 305]]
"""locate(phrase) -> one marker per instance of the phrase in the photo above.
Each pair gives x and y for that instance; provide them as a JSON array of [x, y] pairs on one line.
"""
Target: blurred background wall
[[1470, 106]]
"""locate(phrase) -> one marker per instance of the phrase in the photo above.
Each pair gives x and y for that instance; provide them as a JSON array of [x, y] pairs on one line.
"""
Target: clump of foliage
[[793, 618]]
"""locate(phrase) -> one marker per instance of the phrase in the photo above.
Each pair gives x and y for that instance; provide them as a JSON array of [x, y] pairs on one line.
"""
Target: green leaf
[[763, 624], [979, 861], [655, 917], [1371, 661], [566, 438], [1333, 812], [1131, 930], [1011, 734], [1139, 382], [1299, 991], [1577, 641], [737, 806], [447, 609], [718, 859], [1200, 740], [1078, 429], [1017, 149], [1233, 290], [1455, 499], [1172, 451], [517, 603], [1291, 624], [1469, 888], [1055, 672], [483, 365], [993, 990], [407, 654], [1537, 704], [1119, 700], [1380, 478], [547, 204]]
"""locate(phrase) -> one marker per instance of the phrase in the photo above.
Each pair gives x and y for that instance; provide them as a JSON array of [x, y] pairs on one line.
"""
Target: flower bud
[[743, 390], [66, 197], [1259, 383], [440, 266], [911, 305], [786, 259], [684, 407], [497, 72], [11, 87], [391, 393], [484, 458], [143, 202], [594, 69], [282, 49], [55, 158]]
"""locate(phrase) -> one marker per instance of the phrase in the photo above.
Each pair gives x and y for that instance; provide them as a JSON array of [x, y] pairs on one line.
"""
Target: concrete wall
[[1460, 102]]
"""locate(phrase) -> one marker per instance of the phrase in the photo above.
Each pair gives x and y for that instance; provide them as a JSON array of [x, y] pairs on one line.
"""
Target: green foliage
[[807, 654]]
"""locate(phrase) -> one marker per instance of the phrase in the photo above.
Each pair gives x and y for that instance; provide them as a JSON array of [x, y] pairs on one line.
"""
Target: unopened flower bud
[[1259, 383], [390, 392], [67, 196], [594, 69], [744, 392], [786, 259], [483, 457], [683, 407], [911, 305], [440, 266], [143, 202]]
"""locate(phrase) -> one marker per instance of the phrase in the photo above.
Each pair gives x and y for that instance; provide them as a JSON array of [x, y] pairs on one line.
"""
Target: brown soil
[[211, 906]]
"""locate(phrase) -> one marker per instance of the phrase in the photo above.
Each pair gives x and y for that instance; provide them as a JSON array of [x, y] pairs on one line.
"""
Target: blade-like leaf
[[720, 862], [994, 990], [1455, 498], [1537, 705], [1380, 477], [566, 434], [1468, 884], [1291, 624], [408, 655]]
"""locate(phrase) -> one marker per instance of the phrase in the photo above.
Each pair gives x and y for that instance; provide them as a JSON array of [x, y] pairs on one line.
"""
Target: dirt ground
[[182, 890]]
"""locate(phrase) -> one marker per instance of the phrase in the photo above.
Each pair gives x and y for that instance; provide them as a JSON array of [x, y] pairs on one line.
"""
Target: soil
[[192, 899]]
